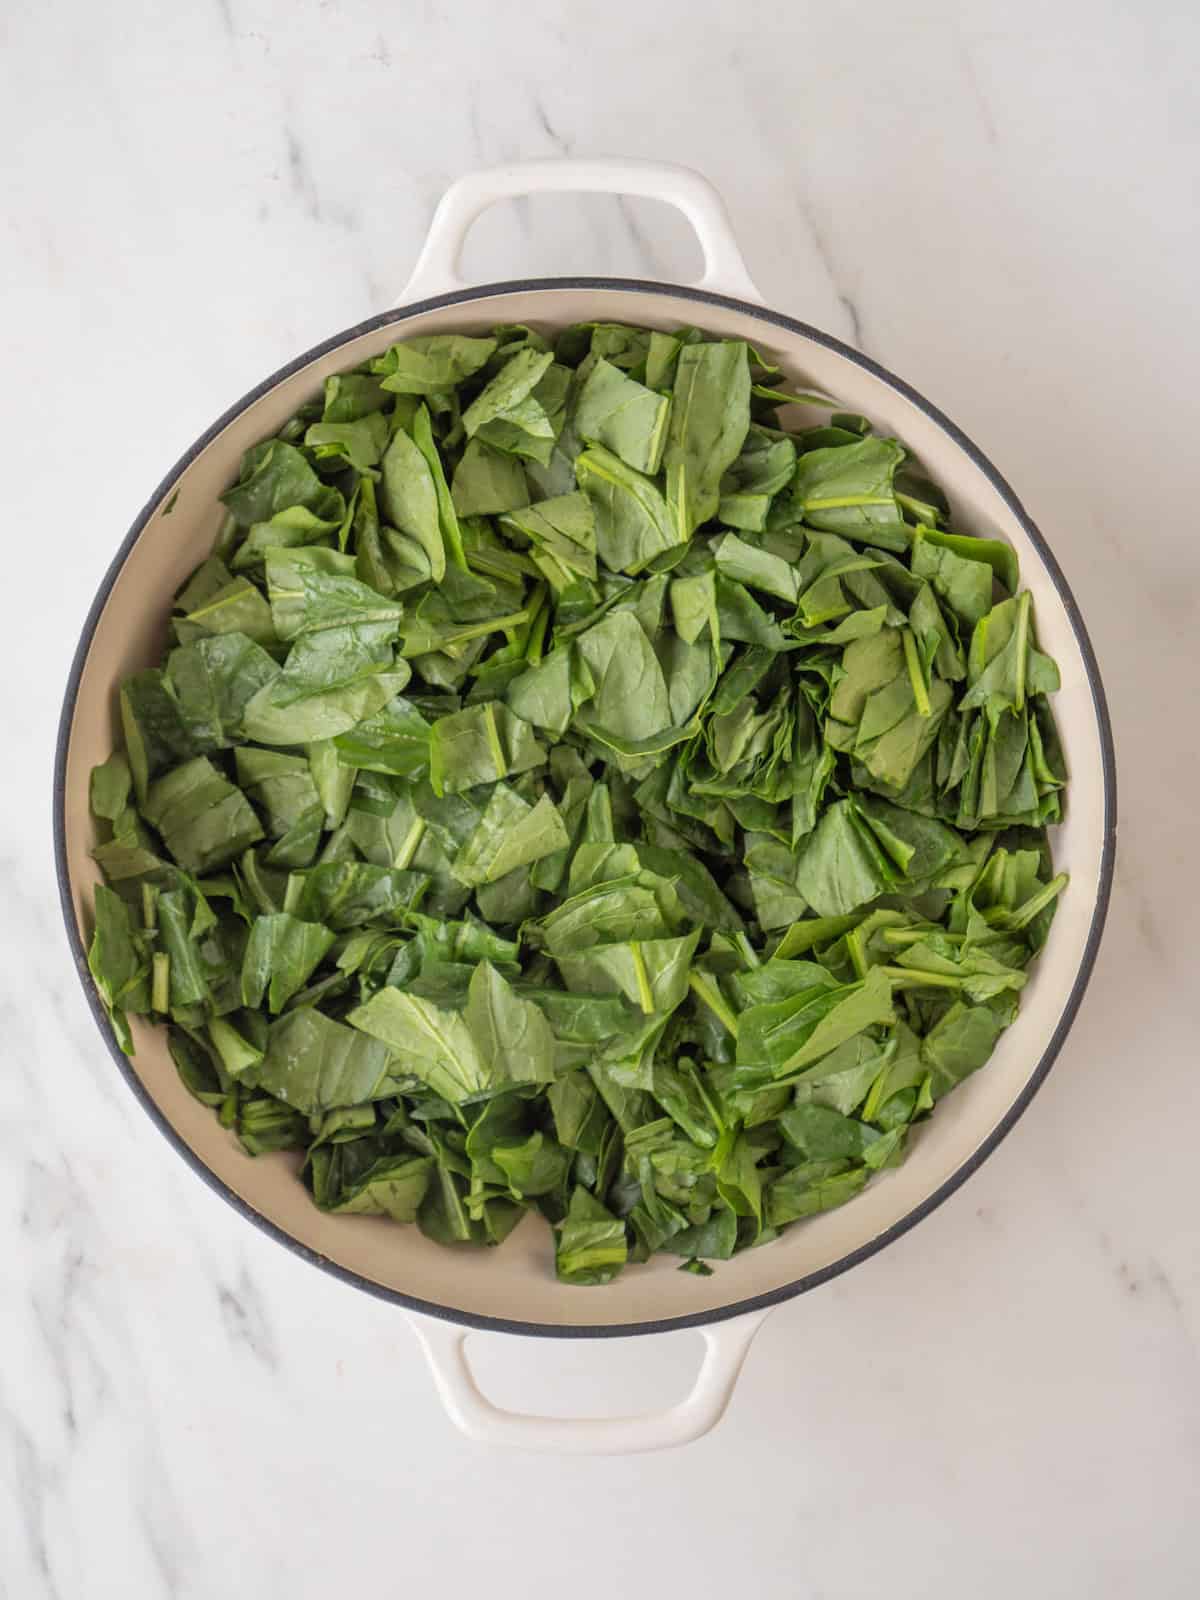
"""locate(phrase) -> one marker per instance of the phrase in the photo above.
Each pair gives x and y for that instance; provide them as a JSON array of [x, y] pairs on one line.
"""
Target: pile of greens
[[570, 788]]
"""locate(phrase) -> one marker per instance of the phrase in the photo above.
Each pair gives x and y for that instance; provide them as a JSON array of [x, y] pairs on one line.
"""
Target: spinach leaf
[[431, 365], [314, 1064], [212, 682], [204, 821], [616, 411], [409, 499], [710, 418], [498, 1040], [632, 524], [480, 745], [510, 833], [850, 490], [118, 963], [281, 955], [591, 1242]]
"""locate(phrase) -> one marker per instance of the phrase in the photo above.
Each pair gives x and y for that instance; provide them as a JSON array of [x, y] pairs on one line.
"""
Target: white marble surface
[[999, 202]]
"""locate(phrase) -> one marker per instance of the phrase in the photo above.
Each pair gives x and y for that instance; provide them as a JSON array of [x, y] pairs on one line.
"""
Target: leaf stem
[[493, 739], [1024, 914], [836, 502], [714, 1000], [411, 844], [916, 673], [479, 630], [645, 992], [858, 956], [537, 635], [915, 978], [452, 536], [925, 514], [160, 987]]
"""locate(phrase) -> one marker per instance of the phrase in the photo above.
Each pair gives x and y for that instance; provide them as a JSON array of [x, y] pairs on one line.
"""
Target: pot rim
[[807, 1281]]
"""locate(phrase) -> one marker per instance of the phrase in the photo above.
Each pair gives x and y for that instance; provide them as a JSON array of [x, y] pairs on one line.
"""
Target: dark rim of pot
[[1071, 1005]]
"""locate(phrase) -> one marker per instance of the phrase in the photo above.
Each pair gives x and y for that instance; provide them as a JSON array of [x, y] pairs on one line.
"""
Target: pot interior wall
[[516, 1282]]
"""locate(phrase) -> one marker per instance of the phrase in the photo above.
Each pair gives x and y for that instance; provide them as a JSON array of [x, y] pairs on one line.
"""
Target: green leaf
[[408, 498], [500, 1040], [393, 1186], [275, 476], [314, 1064], [204, 821], [351, 894], [627, 418], [762, 470], [710, 418], [850, 490], [652, 974], [480, 745], [562, 532], [746, 563], [785, 1037], [359, 443], [633, 526], [959, 1044], [394, 739], [281, 955], [511, 1034], [432, 364], [591, 1242], [510, 833], [840, 866], [963, 584], [488, 482], [808, 1189], [118, 965], [212, 681], [630, 697]]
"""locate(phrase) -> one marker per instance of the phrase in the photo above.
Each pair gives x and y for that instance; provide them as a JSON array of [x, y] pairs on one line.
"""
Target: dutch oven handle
[[436, 271], [725, 1347]]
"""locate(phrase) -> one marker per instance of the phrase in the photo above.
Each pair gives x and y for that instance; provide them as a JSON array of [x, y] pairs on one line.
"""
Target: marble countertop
[[997, 201]]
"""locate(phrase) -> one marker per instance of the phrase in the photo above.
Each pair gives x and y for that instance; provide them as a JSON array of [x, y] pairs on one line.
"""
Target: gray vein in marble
[[245, 1319], [1154, 1275], [225, 8], [300, 175], [30, 1491], [1129, 888], [825, 255], [560, 142], [55, 1311], [157, 1526], [972, 79], [1150, 1273]]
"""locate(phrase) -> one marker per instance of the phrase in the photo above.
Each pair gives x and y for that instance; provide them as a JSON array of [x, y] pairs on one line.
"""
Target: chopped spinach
[[570, 789]]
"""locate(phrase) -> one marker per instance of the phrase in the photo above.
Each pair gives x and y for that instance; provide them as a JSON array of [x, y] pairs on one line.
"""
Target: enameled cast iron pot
[[513, 1288]]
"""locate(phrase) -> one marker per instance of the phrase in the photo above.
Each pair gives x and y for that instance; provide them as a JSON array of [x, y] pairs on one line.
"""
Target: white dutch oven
[[513, 1288]]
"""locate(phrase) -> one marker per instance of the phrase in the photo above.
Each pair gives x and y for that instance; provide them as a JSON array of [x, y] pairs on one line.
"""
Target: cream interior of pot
[[516, 1282]]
